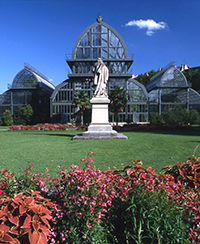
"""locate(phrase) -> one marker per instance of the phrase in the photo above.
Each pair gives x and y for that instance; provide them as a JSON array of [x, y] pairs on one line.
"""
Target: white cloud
[[148, 24]]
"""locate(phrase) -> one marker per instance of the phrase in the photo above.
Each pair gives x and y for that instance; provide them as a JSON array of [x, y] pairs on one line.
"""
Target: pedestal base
[[88, 135], [100, 128]]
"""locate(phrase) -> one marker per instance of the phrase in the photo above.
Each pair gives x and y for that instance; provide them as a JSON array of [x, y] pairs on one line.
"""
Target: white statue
[[101, 75]]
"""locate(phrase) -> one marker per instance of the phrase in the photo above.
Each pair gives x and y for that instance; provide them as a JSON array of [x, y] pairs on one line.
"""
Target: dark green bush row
[[176, 115]]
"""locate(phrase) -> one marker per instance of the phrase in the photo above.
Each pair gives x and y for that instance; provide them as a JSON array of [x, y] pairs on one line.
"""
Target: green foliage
[[82, 100], [176, 115], [7, 118], [23, 115], [193, 77], [156, 118], [146, 218], [193, 117], [118, 100], [145, 78]]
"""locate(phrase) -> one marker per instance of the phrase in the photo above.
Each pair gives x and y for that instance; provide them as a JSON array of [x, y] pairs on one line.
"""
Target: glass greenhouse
[[169, 88], [99, 40], [28, 87]]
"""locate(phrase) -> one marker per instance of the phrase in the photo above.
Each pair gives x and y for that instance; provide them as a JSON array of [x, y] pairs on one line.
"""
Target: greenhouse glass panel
[[120, 53], [79, 53], [117, 82], [6, 98], [96, 29], [104, 53], [85, 40], [19, 97], [87, 53], [104, 29], [194, 96], [172, 96], [112, 53], [173, 78], [28, 97], [104, 40], [96, 53], [96, 40], [114, 40], [136, 118], [78, 85], [25, 79], [153, 96]]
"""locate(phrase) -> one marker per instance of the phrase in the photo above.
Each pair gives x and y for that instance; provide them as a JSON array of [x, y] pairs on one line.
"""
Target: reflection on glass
[[104, 40], [104, 53], [79, 53], [96, 53], [114, 40], [85, 40], [96, 29]]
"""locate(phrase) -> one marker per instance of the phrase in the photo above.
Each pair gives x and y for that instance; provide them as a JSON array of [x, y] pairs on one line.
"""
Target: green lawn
[[50, 149]]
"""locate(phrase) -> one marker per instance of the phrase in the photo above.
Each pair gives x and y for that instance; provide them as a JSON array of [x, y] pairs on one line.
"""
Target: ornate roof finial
[[99, 19]]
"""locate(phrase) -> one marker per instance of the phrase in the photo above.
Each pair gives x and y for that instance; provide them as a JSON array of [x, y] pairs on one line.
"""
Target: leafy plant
[[25, 218], [118, 100], [23, 115], [7, 118], [82, 100]]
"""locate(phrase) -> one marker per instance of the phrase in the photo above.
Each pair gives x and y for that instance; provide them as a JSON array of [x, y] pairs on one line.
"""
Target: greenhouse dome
[[169, 88], [99, 40], [28, 87]]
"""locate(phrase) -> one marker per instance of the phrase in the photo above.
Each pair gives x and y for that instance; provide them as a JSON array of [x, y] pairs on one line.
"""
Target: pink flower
[[89, 226]]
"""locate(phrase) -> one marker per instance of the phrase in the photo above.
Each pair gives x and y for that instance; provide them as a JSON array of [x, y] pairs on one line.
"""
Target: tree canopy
[[118, 100], [193, 77], [145, 78], [82, 100]]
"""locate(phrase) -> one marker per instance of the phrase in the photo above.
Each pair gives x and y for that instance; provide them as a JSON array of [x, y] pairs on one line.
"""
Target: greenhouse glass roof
[[169, 77], [30, 78], [99, 40]]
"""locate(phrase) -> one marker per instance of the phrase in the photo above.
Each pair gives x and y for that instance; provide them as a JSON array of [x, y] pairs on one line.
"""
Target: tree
[[193, 77], [7, 118], [145, 78], [82, 100], [118, 101], [23, 115]]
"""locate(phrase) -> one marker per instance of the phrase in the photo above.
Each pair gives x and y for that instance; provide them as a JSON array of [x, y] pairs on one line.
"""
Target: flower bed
[[83, 204], [42, 127]]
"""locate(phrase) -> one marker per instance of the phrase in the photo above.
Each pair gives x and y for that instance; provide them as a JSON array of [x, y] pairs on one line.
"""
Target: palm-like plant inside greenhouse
[[82, 100]]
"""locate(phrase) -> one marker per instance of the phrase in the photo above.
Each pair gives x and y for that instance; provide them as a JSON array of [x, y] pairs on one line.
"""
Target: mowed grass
[[56, 148]]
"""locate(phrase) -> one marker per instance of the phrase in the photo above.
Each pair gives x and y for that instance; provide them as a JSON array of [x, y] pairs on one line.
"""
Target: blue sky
[[41, 32]]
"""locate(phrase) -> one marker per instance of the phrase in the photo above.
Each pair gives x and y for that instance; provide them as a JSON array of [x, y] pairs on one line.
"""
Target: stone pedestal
[[100, 127]]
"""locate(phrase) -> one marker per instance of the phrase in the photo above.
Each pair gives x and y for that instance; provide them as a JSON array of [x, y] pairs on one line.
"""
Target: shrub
[[193, 117], [156, 118], [176, 115], [7, 118], [23, 115]]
